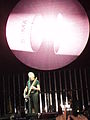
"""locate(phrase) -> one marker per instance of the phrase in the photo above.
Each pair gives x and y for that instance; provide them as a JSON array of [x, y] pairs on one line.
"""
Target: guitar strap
[[32, 85]]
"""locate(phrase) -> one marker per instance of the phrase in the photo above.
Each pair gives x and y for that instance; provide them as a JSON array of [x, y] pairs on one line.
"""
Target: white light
[[26, 33]]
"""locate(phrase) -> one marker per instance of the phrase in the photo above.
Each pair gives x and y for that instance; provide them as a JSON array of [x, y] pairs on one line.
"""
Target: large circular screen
[[47, 34]]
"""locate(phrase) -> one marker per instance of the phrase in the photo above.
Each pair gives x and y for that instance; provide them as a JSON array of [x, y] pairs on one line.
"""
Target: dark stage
[[22, 116]]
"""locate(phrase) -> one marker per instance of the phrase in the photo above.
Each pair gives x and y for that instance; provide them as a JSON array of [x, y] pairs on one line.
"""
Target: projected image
[[47, 35]]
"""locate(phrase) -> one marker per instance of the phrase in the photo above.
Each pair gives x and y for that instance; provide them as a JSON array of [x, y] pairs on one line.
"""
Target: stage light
[[47, 34]]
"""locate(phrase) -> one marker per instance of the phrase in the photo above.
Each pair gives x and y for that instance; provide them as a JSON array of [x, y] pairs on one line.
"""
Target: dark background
[[8, 62]]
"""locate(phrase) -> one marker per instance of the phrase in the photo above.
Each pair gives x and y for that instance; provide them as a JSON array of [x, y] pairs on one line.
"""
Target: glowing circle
[[47, 35]]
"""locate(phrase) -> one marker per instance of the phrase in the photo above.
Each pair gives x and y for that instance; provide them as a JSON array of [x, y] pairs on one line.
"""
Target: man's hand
[[33, 88]]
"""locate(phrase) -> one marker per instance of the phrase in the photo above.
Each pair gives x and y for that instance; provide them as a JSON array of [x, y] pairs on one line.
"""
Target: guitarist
[[31, 92]]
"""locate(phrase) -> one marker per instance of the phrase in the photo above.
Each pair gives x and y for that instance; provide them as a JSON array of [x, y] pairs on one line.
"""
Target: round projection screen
[[47, 34]]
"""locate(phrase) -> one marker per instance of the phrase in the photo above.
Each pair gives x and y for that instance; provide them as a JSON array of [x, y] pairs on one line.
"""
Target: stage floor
[[39, 116]]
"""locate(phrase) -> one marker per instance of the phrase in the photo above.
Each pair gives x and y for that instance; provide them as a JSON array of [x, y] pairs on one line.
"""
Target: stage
[[22, 116], [40, 116]]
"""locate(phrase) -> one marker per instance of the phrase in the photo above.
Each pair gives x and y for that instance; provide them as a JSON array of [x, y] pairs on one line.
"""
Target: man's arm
[[36, 88], [25, 91]]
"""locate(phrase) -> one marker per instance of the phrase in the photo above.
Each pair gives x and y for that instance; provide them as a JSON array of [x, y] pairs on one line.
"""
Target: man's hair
[[31, 74]]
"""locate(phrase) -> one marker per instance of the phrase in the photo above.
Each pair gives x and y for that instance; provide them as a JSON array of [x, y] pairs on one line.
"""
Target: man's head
[[31, 75]]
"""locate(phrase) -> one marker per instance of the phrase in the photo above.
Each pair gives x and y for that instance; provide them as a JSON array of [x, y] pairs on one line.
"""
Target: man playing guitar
[[31, 92]]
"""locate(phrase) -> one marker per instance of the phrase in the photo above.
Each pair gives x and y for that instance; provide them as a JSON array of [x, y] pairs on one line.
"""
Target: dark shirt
[[29, 83]]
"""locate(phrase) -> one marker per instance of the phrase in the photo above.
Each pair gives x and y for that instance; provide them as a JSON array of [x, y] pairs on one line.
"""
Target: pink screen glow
[[47, 35]]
